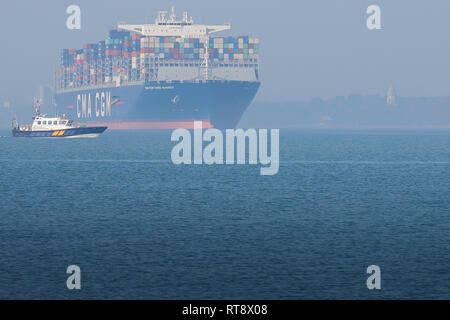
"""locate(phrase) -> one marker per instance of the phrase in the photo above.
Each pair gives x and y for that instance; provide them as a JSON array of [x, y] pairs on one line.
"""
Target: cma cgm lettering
[[102, 105], [164, 75]]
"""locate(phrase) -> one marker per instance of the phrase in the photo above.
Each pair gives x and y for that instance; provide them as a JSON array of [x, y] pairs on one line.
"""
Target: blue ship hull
[[159, 105], [67, 133]]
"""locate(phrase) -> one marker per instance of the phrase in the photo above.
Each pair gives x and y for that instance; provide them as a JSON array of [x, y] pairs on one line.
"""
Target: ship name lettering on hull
[[101, 103], [159, 87]]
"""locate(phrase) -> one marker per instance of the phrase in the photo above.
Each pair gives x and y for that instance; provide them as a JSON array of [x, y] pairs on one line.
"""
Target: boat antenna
[[37, 106]]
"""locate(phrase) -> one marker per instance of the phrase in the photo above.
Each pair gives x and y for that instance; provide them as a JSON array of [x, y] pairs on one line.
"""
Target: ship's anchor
[[176, 99]]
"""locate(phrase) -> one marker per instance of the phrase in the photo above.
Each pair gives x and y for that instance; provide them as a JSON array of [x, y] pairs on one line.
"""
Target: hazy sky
[[309, 48]]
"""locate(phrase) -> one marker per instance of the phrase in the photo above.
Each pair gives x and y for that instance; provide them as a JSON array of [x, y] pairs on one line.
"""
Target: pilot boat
[[56, 127]]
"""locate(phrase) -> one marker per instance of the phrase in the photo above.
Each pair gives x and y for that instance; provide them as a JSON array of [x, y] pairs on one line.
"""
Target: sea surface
[[140, 227]]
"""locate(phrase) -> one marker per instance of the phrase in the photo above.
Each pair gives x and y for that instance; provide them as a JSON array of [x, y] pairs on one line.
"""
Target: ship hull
[[87, 132], [160, 105]]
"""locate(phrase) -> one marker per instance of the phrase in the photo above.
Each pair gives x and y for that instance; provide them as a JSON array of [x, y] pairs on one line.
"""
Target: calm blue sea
[[140, 227]]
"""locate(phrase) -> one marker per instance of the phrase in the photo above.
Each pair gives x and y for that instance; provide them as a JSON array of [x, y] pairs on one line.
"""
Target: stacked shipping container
[[233, 48], [126, 57]]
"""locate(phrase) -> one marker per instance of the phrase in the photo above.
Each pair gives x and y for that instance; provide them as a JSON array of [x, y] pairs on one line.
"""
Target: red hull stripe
[[149, 125]]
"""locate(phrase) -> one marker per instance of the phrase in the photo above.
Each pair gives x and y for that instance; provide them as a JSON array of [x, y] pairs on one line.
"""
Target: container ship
[[164, 75]]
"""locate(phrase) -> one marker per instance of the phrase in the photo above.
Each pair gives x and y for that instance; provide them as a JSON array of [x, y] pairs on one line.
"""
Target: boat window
[[39, 122], [44, 122]]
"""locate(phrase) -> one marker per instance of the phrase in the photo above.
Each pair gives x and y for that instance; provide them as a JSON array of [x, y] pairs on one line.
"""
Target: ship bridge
[[171, 27]]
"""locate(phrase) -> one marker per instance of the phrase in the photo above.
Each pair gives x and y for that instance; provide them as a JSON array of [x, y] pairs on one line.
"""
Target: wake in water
[[84, 160], [364, 162], [288, 162]]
